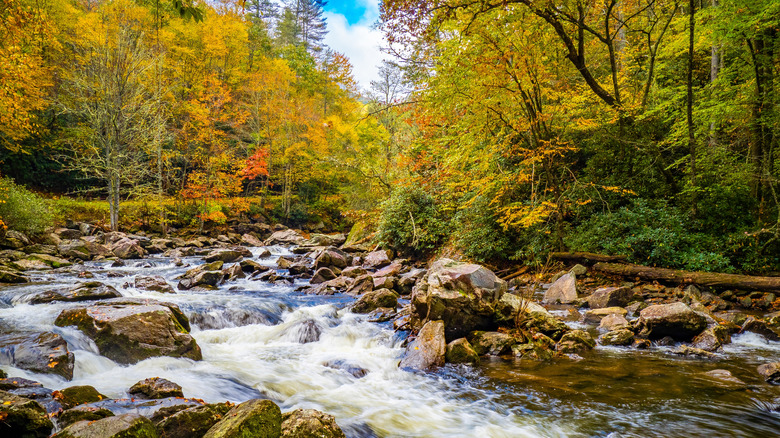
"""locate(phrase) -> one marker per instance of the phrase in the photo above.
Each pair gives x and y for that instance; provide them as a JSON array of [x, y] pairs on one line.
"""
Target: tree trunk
[[113, 201], [709, 279], [715, 64], [689, 109], [585, 257]]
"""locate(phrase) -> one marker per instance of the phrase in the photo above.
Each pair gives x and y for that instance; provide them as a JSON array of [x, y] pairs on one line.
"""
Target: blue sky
[[353, 11], [350, 32]]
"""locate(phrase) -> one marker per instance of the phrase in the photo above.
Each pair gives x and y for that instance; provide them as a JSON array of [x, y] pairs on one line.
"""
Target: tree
[[111, 92]]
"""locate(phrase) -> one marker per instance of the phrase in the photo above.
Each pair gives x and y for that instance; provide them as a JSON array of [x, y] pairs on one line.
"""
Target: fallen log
[[709, 279], [586, 257]]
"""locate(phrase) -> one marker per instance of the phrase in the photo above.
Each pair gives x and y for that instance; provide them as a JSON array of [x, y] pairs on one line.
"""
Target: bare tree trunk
[[715, 64], [113, 201]]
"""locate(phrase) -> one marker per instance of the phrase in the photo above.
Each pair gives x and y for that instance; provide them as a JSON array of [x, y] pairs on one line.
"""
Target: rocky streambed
[[290, 335]]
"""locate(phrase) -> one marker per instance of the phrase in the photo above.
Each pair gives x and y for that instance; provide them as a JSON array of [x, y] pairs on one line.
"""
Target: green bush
[[478, 234], [652, 234], [23, 210], [412, 222]]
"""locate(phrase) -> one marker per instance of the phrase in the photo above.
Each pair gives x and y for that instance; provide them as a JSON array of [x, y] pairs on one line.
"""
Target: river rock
[[621, 337], [310, 423], [285, 237], [712, 338], [87, 291], [322, 275], [74, 249], [377, 259], [564, 290], [462, 295], [676, 320], [427, 351], [331, 257], [153, 283], [119, 426], [687, 350], [45, 353], [298, 268], [354, 271], [126, 248], [575, 341], [203, 278], [614, 321], [491, 343], [129, 333], [82, 413], [770, 372], [251, 266], [29, 264], [10, 276], [461, 351], [223, 255], [754, 325], [361, 285], [22, 417], [154, 388], [50, 260], [725, 379], [251, 240], [232, 273], [254, 418], [192, 422], [284, 262], [384, 282], [610, 297], [78, 395], [514, 311], [594, 316], [375, 299]]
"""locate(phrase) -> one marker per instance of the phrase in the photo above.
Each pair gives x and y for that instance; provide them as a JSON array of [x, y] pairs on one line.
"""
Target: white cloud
[[359, 42]]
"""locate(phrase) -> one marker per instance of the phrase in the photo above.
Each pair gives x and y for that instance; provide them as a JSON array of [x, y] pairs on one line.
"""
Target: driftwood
[[709, 279], [588, 258], [515, 274]]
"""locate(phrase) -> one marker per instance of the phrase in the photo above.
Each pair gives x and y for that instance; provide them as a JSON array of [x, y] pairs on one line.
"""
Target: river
[[250, 333]]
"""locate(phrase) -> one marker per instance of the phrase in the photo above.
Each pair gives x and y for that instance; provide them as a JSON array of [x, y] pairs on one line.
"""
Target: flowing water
[[254, 341]]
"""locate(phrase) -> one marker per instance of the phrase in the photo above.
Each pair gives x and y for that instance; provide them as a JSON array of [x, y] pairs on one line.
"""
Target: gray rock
[[375, 299], [491, 343], [770, 372], [462, 295], [45, 353], [610, 297], [22, 417], [120, 426], [87, 291], [376, 259], [309, 423], [564, 290], [253, 418], [622, 337], [153, 283], [676, 320], [427, 351], [155, 388]]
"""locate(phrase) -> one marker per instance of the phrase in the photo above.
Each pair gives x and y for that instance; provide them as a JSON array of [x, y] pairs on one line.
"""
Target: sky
[[350, 32]]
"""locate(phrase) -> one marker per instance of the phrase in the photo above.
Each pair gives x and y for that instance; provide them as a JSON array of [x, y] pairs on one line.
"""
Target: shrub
[[478, 234], [23, 210], [652, 234], [412, 222]]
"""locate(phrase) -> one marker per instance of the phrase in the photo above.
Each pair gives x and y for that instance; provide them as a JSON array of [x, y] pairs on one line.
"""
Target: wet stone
[[155, 388]]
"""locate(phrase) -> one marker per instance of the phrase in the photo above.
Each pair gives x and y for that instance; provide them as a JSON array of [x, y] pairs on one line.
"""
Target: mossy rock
[[120, 426], [82, 413], [78, 395], [461, 351], [192, 422], [251, 419], [22, 417], [310, 423]]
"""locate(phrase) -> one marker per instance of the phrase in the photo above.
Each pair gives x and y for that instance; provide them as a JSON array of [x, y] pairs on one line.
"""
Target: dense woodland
[[501, 130]]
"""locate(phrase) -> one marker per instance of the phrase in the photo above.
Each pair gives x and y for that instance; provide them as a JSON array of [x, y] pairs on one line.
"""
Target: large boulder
[[128, 332], [45, 353], [88, 291], [310, 423], [120, 426], [610, 297], [73, 396], [250, 240], [153, 283], [712, 338], [126, 248], [461, 351], [462, 295], [491, 343], [515, 311], [285, 237], [192, 422], [361, 285], [331, 257], [154, 388], [575, 341], [11, 276], [322, 275], [224, 255], [564, 290], [22, 417], [370, 301], [427, 351], [377, 259], [253, 418], [676, 320]]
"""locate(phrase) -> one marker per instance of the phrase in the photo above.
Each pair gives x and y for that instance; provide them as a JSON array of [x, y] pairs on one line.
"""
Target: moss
[[78, 395], [251, 419]]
